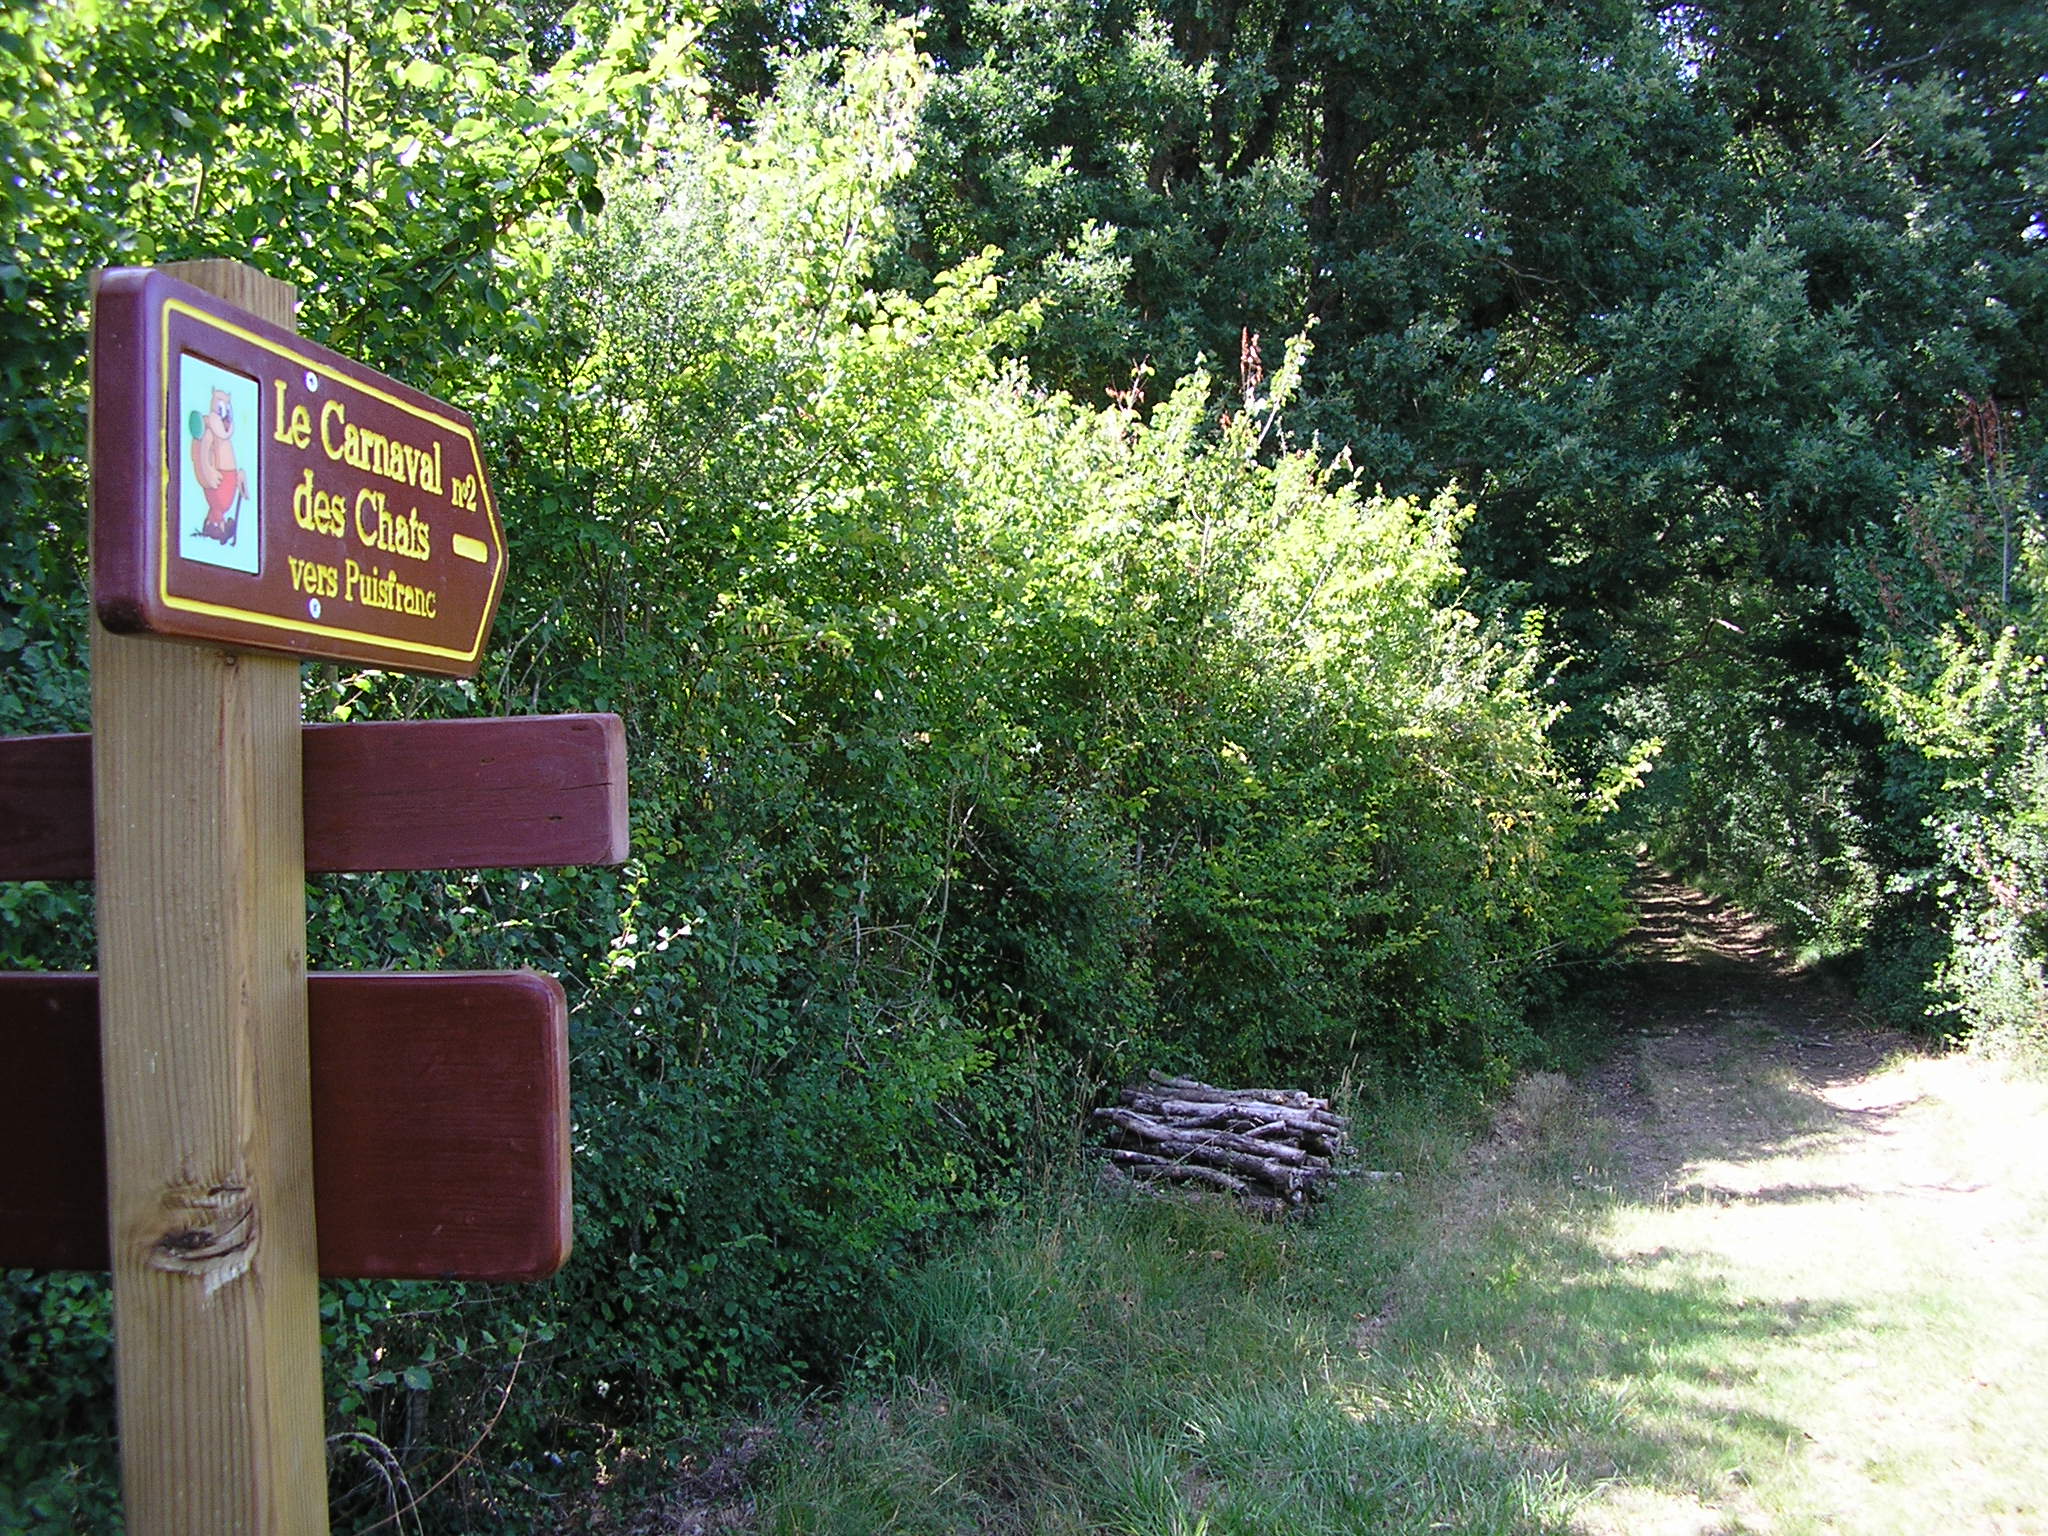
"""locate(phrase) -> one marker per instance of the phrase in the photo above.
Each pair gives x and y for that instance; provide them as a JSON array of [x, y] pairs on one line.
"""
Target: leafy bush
[[1957, 674]]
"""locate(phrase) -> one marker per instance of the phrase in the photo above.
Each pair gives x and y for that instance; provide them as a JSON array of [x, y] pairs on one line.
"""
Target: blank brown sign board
[[440, 1125], [533, 792]]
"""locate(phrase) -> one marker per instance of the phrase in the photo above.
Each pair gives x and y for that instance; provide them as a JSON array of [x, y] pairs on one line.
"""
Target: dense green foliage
[[1955, 595], [1688, 296], [1019, 693]]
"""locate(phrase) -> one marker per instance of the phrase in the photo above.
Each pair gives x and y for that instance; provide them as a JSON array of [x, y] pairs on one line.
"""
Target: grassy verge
[[1131, 1364], [1512, 1339]]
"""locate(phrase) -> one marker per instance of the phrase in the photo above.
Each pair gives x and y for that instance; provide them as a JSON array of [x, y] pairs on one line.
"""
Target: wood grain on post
[[202, 934]]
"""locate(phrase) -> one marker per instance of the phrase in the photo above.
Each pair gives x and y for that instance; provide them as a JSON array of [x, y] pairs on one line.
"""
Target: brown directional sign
[[440, 1125], [253, 489]]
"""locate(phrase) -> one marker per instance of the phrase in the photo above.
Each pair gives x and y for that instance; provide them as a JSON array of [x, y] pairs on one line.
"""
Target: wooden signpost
[[204, 1119]]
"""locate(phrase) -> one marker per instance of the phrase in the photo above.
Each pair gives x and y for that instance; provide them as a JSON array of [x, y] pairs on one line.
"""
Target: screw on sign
[[209, 1124]]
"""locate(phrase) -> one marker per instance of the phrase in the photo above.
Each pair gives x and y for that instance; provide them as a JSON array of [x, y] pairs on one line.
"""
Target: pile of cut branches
[[1263, 1144]]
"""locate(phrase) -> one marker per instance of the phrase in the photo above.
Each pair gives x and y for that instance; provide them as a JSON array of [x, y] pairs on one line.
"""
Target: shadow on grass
[[1158, 1366], [1724, 1051], [1534, 1334], [1460, 1352]]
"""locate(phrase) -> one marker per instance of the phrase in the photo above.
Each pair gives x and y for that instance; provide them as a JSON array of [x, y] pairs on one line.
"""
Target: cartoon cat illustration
[[213, 462]]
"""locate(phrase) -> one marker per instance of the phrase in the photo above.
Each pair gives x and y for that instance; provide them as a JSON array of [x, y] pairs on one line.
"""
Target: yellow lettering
[[295, 432], [334, 411], [387, 458], [382, 589], [366, 535], [316, 511], [377, 528], [313, 578]]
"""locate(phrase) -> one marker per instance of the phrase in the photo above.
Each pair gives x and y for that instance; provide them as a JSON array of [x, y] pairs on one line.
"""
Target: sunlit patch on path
[[1884, 1208]]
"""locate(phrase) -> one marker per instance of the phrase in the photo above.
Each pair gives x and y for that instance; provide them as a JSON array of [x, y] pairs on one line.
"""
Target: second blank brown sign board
[[440, 1125]]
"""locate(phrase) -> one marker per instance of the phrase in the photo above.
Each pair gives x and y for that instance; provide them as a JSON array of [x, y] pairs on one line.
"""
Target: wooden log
[[1189, 1088], [1158, 1130], [1202, 1111], [1316, 1142], [1269, 1171], [1185, 1104], [1322, 1143], [531, 792], [1151, 1167], [1307, 1119], [1280, 1139], [440, 1114], [1183, 1113]]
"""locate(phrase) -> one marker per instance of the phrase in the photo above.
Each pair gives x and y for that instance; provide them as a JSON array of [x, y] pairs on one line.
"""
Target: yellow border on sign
[[167, 525]]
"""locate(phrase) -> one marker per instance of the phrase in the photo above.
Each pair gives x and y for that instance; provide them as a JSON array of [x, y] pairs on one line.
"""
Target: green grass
[[1125, 1363], [1505, 1341], [1890, 1238]]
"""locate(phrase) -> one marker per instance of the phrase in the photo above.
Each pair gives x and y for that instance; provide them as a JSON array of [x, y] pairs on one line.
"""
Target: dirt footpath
[[1883, 1206], [1715, 1008]]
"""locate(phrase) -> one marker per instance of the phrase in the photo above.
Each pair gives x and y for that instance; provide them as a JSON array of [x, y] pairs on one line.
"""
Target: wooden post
[[202, 934]]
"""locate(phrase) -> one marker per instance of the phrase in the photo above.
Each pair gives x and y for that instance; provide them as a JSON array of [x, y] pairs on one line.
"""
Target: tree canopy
[[1695, 301]]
